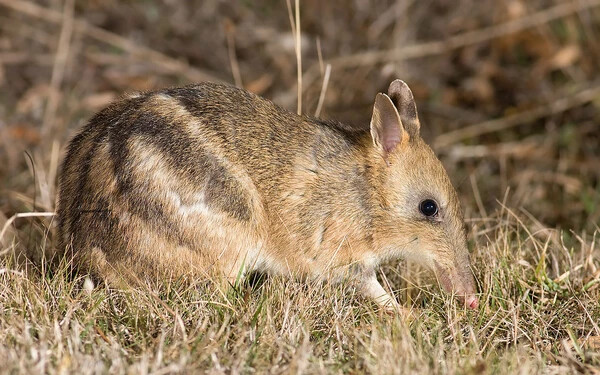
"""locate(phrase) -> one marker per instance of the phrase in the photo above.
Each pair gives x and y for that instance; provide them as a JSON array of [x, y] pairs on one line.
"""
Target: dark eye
[[428, 208]]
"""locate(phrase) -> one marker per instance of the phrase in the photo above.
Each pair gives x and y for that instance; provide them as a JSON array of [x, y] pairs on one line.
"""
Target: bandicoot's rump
[[211, 180]]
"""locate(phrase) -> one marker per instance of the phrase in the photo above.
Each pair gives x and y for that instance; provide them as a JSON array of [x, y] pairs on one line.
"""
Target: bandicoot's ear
[[404, 101], [386, 127]]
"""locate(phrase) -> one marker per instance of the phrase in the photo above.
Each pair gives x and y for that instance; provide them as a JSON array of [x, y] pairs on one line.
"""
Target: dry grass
[[507, 93], [529, 321]]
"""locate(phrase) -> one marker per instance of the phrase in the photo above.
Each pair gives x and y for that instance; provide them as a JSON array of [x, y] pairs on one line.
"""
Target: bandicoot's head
[[420, 216]]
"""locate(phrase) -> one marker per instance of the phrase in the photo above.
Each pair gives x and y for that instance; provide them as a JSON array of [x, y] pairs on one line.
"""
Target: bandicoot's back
[[210, 180]]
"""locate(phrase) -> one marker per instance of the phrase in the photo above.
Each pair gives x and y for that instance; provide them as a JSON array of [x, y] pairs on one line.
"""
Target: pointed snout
[[460, 282], [470, 301]]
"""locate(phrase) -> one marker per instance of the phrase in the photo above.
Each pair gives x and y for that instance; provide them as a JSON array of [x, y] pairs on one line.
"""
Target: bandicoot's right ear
[[386, 127]]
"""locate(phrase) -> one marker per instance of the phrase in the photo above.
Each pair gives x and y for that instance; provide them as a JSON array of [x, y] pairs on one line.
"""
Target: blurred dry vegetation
[[529, 66], [508, 94]]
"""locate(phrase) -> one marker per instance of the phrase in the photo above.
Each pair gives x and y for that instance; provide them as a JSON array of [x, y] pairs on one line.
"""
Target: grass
[[539, 314]]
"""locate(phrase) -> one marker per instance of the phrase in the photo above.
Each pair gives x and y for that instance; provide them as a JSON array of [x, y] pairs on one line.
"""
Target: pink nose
[[472, 302]]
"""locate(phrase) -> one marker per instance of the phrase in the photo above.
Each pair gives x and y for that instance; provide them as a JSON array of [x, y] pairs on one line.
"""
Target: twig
[[323, 90], [10, 234], [560, 105], [291, 17], [101, 333], [6, 226], [320, 56], [52, 173], [235, 67], [58, 70], [299, 56], [17, 57], [531, 147], [478, 199], [295, 25], [143, 53]]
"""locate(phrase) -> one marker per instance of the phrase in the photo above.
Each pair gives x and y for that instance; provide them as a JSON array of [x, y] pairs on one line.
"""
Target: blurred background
[[508, 91]]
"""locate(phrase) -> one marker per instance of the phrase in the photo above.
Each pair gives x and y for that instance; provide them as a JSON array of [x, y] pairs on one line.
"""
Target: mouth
[[461, 285]]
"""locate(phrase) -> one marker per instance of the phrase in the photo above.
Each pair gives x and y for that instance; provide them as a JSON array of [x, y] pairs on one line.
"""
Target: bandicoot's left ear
[[404, 102], [386, 127]]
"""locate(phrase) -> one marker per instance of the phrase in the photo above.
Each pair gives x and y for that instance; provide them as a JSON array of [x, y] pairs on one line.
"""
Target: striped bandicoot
[[210, 181]]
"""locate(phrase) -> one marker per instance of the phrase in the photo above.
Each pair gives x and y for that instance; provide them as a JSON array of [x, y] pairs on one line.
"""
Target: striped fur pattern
[[210, 181]]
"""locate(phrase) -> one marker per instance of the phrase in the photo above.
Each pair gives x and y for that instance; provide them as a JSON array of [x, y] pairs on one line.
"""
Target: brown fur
[[210, 180]]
